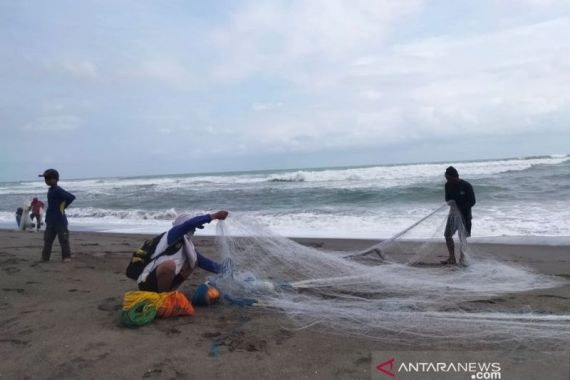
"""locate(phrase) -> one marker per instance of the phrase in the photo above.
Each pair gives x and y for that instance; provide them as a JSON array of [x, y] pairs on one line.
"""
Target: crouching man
[[169, 267]]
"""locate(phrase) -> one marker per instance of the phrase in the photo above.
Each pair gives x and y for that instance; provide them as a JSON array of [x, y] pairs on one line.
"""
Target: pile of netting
[[395, 290]]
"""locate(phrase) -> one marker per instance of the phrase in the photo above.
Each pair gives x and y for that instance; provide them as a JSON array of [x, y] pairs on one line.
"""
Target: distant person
[[24, 222], [37, 207], [167, 271], [56, 221], [19, 213], [460, 197]]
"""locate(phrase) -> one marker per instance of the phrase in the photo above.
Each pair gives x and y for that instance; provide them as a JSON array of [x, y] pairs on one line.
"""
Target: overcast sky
[[119, 88]]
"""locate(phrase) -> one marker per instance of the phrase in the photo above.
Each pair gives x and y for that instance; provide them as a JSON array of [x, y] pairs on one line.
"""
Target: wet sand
[[60, 320]]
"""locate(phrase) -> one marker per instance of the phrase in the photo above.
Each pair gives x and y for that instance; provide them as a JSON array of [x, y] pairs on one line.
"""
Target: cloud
[[286, 77], [508, 81], [168, 71], [76, 68], [294, 38], [58, 114], [266, 106], [46, 123], [371, 94]]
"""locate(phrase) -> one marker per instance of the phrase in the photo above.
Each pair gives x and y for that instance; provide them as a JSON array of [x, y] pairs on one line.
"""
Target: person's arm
[[66, 199], [65, 196], [177, 232], [447, 193], [207, 264], [180, 230]]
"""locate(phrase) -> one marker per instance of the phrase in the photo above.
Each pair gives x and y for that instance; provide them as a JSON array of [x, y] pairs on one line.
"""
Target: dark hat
[[451, 172], [50, 173]]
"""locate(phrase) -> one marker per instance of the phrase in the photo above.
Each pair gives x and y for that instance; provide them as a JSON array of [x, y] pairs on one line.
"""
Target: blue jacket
[[180, 230], [58, 200]]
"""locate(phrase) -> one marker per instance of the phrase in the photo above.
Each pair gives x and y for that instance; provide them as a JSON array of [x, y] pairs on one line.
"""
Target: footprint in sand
[[111, 304], [77, 365], [37, 311], [15, 342], [85, 266], [239, 341], [553, 296], [165, 369], [13, 260], [11, 270], [283, 335], [25, 332], [210, 335], [171, 331], [94, 347], [17, 290], [362, 360]]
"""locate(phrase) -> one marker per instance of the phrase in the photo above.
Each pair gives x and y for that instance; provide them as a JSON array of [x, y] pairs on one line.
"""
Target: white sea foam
[[379, 176], [370, 213], [399, 175], [546, 220]]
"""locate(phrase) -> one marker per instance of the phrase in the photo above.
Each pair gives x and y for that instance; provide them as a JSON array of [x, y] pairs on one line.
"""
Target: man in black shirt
[[460, 197]]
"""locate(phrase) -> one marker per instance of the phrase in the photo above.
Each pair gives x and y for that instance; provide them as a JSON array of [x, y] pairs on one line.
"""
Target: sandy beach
[[60, 320]]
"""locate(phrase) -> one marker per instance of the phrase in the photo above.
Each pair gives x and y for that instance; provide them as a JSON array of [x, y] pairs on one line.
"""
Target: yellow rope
[[132, 298]]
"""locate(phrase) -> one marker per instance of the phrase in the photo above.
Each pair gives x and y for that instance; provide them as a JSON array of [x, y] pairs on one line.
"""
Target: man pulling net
[[460, 197]]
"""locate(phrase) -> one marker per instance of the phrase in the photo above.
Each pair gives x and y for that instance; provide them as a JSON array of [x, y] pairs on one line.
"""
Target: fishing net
[[395, 290]]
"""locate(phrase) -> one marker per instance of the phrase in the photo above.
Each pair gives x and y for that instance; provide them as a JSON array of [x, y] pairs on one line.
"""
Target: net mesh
[[394, 290]]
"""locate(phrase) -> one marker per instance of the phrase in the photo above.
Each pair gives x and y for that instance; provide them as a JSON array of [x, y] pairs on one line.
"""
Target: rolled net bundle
[[391, 291]]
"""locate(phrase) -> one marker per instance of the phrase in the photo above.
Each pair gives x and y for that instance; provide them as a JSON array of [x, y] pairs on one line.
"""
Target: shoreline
[[535, 241]]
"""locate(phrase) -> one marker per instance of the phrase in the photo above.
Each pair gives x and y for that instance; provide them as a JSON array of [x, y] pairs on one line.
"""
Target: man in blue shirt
[[56, 221], [166, 272]]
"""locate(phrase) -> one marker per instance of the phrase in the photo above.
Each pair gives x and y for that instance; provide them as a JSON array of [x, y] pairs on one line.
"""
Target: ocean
[[516, 197]]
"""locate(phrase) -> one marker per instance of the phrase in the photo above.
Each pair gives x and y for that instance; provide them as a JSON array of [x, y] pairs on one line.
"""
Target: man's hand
[[221, 215], [451, 203]]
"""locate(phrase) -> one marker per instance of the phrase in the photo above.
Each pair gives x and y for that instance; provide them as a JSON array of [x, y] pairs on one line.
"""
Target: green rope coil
[[140, 314]]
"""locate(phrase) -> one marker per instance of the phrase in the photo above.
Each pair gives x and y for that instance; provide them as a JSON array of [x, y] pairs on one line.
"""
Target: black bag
[[143, 256]]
